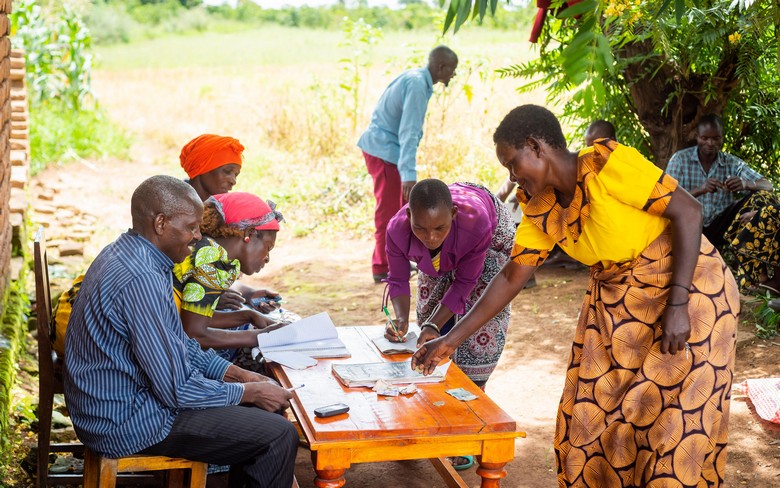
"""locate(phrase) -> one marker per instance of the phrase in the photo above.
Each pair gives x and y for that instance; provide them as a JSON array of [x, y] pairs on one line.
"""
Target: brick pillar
[[5, 148]]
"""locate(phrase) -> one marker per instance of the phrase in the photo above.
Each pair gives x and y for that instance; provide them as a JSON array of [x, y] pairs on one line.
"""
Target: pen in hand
[[390, 320], [295, 387]]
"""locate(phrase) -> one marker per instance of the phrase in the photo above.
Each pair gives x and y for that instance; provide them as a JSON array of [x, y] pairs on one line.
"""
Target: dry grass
[[292, 119]]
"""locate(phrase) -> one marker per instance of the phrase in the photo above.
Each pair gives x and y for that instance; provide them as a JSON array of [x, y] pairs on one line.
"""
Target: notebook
[[400, 372], [409, 346], [314, 336]]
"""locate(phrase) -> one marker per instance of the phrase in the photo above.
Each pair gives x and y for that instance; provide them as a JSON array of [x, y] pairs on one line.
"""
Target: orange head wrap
[[208, 152]]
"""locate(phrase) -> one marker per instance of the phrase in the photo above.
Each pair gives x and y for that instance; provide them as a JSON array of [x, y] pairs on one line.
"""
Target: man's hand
[[268, 396], [230, 300], [710, 186], [512, 202], [235, 374], [735, 183], [406, 188]]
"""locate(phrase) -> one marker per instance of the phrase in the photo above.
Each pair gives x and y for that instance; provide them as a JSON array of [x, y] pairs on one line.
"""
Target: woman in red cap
[[239, 230], [212, 163]]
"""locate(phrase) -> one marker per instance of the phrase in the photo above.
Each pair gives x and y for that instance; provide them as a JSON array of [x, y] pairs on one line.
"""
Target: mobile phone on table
[[257, 301], [331, 410]]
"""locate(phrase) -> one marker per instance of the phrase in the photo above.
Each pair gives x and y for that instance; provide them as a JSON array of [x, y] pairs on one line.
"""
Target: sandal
[[464, 466], [770, 289]]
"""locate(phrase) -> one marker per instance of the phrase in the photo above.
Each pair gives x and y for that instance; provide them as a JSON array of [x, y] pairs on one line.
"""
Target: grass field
[[278, 90]]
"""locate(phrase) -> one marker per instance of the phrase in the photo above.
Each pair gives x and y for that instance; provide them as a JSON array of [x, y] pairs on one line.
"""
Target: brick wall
[[6, 235]]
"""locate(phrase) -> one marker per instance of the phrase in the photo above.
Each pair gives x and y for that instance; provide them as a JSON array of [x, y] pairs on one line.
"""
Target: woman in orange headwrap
[[212, 163]]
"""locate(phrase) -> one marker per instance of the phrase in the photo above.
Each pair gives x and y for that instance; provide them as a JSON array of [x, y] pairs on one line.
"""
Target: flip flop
[[462, 467], [770, 289]]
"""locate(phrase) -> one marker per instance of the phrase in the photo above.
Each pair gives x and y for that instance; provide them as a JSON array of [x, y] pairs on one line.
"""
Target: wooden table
[[429, 424]]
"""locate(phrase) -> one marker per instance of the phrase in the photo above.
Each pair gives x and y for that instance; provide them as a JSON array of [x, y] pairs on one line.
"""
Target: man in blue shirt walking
[[134, 381], [390, 143]]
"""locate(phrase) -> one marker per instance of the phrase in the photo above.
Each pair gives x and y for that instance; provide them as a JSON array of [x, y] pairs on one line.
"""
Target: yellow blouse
[[436, 261], [614, 215]]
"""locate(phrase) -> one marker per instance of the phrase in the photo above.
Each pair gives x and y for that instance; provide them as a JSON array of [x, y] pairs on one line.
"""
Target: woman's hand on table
[[260, 321], [230, 300], [396, 329], [427, 334], [430, 354]]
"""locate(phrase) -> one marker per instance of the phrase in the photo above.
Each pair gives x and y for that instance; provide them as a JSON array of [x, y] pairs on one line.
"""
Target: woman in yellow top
[[647, 390]]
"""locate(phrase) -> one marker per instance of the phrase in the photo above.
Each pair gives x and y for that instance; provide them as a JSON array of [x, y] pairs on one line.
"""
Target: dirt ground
[[333, 275]]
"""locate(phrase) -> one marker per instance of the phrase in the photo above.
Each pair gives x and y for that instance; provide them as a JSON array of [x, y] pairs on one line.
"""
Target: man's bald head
[[442, 62], [164, 195], [442, 54], [599, 129], [167, 212]]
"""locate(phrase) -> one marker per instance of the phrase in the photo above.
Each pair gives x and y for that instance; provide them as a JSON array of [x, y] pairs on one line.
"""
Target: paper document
[[367, 374], [314, 336], [387, 347], [291, 359]]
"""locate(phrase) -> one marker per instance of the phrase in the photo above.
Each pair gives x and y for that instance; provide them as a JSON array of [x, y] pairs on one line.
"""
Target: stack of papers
[[314, 336]]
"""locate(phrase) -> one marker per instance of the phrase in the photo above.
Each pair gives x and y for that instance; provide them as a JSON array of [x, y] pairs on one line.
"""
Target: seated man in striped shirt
[[135, 383]]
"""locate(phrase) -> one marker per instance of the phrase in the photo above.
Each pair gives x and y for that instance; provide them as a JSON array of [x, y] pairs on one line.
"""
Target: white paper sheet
[[314, 336], [291, 359]]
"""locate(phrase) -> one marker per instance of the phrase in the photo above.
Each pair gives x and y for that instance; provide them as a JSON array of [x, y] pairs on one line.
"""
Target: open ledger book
[[394, 373], [314, 336]]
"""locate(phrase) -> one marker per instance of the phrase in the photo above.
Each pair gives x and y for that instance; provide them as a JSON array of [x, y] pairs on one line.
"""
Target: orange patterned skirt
[[631, 416]]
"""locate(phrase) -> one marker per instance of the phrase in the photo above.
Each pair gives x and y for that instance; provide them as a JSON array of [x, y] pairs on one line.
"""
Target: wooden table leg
[[491, 474], [330, 478], [330, 466], [495, 455]]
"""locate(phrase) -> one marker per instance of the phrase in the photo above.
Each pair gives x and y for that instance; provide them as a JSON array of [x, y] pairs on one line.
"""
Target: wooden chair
[[98, 471], [101, 472], [49, 374]]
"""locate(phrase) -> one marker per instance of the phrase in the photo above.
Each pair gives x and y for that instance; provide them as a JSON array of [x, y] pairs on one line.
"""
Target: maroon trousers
[[389, 200]]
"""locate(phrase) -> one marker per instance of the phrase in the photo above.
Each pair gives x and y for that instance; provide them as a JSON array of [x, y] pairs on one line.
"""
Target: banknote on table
[[462, 394]]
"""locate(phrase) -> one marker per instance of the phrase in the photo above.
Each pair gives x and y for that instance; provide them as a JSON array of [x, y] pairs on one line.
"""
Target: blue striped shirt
[[129, 366], [685, 167], [397, 122]]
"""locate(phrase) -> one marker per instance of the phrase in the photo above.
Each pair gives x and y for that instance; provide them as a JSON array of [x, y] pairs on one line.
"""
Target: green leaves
[[58, 52], [459, 11], [654, 67]]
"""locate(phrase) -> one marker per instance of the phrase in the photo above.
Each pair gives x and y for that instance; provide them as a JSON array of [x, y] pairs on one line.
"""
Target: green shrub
[[60, 134], [58, 46], [110, 23]]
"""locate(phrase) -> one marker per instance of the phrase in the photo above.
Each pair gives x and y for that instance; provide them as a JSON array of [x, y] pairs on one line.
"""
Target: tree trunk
[[668, 104]]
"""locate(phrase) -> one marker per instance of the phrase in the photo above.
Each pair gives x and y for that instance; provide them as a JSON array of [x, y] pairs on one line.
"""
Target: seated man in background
[[599, 129], [740, 212], [135, 383]]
